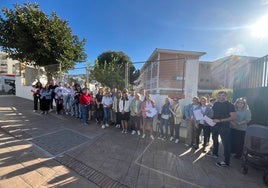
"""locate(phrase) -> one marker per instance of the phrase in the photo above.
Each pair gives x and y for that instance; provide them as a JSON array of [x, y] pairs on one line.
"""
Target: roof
[[169, 51]]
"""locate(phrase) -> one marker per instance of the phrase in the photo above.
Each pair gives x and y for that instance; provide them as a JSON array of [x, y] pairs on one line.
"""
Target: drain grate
[[60, 141], [89, 173]]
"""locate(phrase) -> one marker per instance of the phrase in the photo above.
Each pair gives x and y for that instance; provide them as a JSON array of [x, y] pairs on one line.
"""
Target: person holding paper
[[206, 111], [191, 121], [148, 112], [223, 113], [165, 113], [177, 116]]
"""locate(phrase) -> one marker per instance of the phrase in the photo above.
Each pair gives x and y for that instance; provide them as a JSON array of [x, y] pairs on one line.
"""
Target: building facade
[[7, 65], [181, 74], [171, 72]]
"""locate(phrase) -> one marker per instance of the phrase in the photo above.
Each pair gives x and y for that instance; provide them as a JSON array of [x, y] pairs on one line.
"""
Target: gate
[[257, 99], [254, 86]]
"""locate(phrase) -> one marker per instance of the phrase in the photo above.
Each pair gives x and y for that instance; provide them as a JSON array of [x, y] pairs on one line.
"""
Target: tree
[[110, 67], [27, 34]]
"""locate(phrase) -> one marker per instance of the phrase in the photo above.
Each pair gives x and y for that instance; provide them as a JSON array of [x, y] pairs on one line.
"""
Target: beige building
[[181, 73], [171, 72], [7, 65]]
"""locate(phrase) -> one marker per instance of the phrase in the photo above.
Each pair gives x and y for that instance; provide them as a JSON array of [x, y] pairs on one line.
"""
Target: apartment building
[[182, 74], [7, 65], [171, 72]]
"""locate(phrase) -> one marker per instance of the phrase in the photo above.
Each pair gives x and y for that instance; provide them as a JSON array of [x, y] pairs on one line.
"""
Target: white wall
[[191, 79], [23, 91]]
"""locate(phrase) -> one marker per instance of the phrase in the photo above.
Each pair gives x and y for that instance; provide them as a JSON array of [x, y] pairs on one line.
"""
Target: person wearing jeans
[[84, 101], [107, 102], [191, 121], [165, 113], [177, 116], [223, 113], [135, 114]]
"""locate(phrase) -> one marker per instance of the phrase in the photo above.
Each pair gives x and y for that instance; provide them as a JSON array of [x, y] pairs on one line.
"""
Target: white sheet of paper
[[198, 114], [152, 113], [209, 121]]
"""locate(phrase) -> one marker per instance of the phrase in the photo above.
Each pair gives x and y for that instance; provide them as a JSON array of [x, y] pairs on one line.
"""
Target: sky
[[138, 27]]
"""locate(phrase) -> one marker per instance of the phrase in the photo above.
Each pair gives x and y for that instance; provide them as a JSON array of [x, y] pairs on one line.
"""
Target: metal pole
[[126, 75]]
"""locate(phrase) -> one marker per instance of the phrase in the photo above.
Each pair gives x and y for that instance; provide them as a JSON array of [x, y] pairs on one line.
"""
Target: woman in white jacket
[[124, 105]]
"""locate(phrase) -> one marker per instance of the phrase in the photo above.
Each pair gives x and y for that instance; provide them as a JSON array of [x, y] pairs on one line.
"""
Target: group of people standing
[[136, 112], [229, 121]]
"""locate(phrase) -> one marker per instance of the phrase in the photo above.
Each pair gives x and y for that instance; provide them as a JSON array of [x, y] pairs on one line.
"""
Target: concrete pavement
[[59, 151]]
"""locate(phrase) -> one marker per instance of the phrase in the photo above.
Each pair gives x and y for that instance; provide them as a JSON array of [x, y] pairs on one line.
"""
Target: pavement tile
[[16, 182]]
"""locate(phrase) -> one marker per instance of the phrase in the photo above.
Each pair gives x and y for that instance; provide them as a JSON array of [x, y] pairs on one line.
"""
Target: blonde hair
[[244, 101]]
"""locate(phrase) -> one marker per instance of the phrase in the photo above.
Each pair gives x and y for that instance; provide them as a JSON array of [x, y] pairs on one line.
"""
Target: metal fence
[[254, 86]]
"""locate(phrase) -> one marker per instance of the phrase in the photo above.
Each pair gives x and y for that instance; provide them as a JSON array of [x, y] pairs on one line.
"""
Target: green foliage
[[110, 68], [229, 93], [27, 34]]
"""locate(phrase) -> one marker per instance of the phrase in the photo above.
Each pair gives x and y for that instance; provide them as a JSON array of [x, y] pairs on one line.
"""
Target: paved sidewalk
[[59, 151]]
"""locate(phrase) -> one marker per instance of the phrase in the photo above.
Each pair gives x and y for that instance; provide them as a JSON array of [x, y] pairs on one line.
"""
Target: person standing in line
[[52, 86], [148, 112], [131, 95], [36, 94], [124, 106], [67, 91], [92, 105], [191, 121], [77, 93], [84, 101], [116, 101], [143, 94], [45, 99], [223, 113], [112, 112], [99, 107], [206, 110], [59, 98], [177, 116], [135, 114], [107, 103], [239, 127], [165, 114]]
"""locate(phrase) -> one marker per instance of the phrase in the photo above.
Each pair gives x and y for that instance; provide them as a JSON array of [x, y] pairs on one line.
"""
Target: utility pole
[[126, 74]]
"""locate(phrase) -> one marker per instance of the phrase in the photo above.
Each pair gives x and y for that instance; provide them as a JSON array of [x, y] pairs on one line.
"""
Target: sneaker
[[164, 138], [160, 136], [210, 154], [133, 132], [152, 137], [177, 141], [221, 164], [34, 110], [143, 136], [139, 133], [123, 130], [106, 125], [66, 113], [171, 138], [103, 126]]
